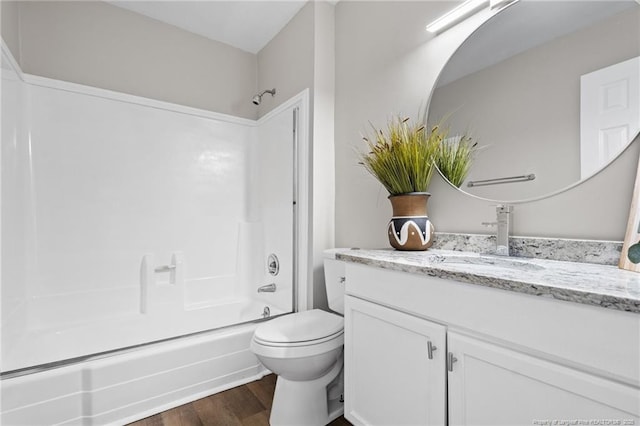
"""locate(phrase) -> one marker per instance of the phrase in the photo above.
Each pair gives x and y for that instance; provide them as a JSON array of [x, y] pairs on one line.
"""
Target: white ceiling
[[246, 24]]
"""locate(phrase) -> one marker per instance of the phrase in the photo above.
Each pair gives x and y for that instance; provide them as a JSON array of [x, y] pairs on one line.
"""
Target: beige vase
[[410, 227]]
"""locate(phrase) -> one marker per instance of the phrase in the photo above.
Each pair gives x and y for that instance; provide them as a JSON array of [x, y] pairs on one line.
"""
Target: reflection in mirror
[[547, 89]]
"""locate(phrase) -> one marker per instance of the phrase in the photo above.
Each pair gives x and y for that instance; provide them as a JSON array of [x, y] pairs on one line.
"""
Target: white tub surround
[[139, 219], [591, 284]]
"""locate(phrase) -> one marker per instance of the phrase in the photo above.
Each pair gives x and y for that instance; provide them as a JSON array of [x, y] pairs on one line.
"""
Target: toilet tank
[[334, 278]]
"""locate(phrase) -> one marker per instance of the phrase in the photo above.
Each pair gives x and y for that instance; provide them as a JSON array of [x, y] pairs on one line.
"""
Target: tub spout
[[268, 288]]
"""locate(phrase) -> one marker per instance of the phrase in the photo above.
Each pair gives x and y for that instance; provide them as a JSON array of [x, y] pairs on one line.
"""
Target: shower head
[[258, 98]]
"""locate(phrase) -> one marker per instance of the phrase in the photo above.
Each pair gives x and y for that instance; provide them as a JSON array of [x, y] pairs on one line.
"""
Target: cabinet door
[[394, 367], [492, 385]]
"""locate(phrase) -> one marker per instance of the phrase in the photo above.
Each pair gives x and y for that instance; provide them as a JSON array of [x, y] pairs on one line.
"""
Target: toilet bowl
[[304, 350]]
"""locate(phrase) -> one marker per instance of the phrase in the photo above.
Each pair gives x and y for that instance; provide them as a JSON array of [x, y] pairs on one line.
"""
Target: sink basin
[[486, 261]]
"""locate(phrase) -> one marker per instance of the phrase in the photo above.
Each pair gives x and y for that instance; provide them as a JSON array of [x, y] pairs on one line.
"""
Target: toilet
[[304, 350]]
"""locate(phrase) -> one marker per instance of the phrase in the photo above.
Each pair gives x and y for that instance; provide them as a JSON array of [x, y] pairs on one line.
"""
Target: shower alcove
[[135, 234]]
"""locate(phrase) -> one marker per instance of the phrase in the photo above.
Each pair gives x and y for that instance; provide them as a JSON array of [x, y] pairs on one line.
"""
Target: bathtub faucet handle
[[268, 288]]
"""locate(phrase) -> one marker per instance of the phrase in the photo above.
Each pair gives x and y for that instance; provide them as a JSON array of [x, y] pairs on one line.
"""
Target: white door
[[392, 377], [492, 385], [609, 113]]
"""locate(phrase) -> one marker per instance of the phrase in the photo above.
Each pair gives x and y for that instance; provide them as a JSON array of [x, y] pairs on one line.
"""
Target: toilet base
[[308, 403]]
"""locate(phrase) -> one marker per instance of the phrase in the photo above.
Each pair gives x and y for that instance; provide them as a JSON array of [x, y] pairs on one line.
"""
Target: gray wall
[[387, 64], [10, 18], [286, 62], [100, 45]]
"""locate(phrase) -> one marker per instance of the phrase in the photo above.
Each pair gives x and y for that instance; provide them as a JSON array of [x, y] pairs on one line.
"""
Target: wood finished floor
[[246, 405]]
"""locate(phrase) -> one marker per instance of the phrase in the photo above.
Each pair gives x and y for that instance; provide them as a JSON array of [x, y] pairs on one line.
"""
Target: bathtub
[[129, 384]]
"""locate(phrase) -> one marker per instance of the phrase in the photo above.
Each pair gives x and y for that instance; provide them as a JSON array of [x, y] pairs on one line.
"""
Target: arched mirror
[[550, 90]]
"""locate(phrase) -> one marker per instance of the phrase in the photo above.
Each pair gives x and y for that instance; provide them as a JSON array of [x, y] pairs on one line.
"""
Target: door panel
[[609, 113], [390, 379], [492, 385]]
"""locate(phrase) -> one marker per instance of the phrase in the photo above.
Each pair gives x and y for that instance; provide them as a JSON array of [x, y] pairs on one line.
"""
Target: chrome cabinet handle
[[450, 361], [430, 348]]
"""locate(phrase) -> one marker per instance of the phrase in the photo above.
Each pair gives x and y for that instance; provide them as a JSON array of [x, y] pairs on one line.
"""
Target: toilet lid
[[300, 327]]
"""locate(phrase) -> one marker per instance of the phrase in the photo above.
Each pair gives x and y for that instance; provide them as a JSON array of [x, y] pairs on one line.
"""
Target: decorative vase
[[410, 227]]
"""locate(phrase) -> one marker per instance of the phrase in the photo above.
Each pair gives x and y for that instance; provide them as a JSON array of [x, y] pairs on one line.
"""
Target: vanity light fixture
[[463, 11], [456, 15]]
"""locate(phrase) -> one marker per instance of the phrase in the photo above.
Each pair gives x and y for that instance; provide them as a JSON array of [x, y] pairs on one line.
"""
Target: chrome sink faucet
[[502, 224]]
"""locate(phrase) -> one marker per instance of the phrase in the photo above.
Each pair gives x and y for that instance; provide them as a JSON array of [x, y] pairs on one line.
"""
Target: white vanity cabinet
[[394, 367], [515, 359]]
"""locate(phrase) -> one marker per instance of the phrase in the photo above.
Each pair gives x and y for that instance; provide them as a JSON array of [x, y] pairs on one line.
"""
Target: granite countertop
[[605, 286]]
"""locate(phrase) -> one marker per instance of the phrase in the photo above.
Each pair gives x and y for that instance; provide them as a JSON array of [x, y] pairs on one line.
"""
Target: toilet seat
[[300, 328], [298, 335], [302, 351], [297, 344]]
